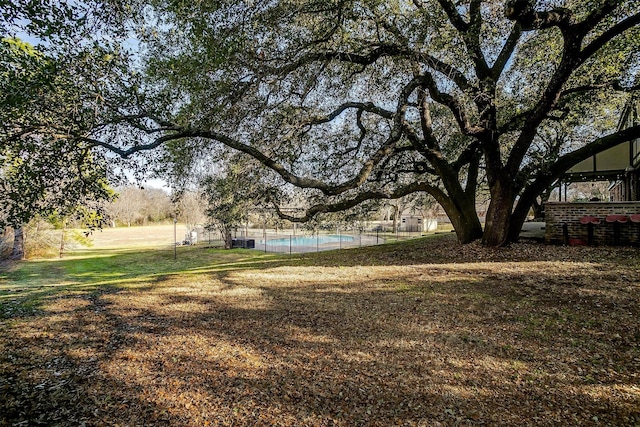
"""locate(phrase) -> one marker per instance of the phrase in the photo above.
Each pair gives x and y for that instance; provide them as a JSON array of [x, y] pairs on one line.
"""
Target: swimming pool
[[308, 240]]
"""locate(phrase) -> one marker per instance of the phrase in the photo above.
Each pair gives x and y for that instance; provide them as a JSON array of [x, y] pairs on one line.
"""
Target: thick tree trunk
[[460, 206], [18, 243], [467, 227], [538, 209], [498, 221], [464, 219], [519, 215]]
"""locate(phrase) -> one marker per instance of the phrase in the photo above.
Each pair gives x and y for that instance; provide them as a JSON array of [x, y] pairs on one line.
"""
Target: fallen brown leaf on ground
[[426, 333]]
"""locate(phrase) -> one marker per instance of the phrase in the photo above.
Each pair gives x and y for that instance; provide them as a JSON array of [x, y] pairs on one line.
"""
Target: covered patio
[[615, 221]]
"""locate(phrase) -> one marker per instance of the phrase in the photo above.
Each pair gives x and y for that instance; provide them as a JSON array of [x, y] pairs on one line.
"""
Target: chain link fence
[[288, 242]]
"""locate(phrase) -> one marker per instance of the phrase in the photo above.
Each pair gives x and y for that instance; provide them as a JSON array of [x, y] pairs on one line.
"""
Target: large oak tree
[[353, 100]]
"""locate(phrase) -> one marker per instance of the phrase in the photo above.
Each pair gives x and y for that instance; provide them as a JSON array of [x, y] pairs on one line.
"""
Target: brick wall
[[557, 213]]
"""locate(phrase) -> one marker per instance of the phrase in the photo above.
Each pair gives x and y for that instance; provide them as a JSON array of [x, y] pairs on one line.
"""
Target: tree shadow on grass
[[309, 341]]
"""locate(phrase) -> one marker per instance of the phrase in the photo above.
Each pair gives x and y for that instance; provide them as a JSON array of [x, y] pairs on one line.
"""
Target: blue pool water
[[309, 240]]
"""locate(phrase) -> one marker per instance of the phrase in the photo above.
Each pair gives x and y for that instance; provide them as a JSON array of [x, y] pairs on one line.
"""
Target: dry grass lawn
[[423, 333]]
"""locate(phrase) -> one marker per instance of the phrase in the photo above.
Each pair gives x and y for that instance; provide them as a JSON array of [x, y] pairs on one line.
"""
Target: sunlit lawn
[[420, 333]]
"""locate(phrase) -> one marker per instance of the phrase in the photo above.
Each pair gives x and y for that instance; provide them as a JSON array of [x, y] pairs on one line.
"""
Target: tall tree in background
[[75, 83], [139, 206], [230, 195], [43, 170]]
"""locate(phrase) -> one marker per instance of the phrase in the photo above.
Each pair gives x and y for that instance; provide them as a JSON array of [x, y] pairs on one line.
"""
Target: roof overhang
[[616, 162]]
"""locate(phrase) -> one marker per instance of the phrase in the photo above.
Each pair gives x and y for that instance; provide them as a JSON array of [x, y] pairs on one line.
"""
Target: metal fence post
[[175, 239]]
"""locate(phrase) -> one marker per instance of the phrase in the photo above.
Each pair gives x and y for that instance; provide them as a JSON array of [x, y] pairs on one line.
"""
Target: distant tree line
[[48, 235], [139, 206]]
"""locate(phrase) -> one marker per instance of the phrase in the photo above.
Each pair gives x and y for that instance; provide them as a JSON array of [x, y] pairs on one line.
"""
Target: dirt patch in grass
[[420, 334]]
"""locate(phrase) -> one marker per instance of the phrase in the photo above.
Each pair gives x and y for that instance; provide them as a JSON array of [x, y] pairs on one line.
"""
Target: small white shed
[[418, 223]]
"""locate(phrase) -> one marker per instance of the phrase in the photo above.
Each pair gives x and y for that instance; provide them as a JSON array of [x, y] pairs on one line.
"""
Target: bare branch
[[353, 58], [446, 70], [608, 35], [369, 107], [523, 12], [128, 152], [507, 51], [515, 122], [598, 14], [454, 106], [454, 17], [614, 84]]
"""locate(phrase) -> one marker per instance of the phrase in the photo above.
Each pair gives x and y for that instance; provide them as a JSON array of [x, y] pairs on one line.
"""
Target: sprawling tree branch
[[303, 182], [472, 40], [545, 104], [453, 104], [516, 122], [599, 13], [376, 53], [447, 70], [573, 57], [454, 17], [342, 205], [507, 51], [523, 12], [369, 107], [614, 85], [609, 35]]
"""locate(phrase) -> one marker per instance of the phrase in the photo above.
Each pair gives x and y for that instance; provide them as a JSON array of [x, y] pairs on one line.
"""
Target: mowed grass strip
[[423, 333]]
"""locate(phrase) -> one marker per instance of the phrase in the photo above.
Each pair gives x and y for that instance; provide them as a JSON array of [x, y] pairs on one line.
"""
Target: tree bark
[[498, 220], [517, 220], [18, 243], [464, 218], [467, 227], [228, 241], [538, 209], [395, 217], [525, 201]]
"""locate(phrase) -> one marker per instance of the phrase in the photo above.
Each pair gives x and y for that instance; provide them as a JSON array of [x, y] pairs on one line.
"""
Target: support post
[[175, 238]]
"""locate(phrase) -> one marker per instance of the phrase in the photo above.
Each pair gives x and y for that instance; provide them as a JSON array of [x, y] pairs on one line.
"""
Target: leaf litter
[[426, 333]]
